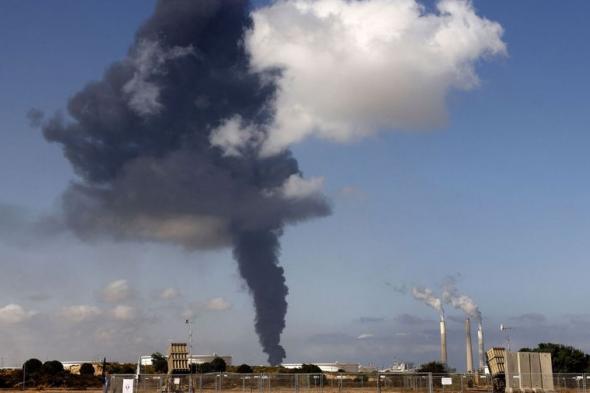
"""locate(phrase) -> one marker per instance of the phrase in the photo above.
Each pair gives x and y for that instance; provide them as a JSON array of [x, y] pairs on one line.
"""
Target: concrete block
[[511, 372], [536, 375], [546, 372], [524, 370]]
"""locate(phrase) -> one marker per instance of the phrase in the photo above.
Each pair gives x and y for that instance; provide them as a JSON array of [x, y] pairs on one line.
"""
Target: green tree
[[160, 363], [52, 368], [32, 367], [218, 364], [565, 358], [86, 369], [244, 369], [306, 369], [53, 373], [122, 368], [310, 369], [204, 368], [433, 367]]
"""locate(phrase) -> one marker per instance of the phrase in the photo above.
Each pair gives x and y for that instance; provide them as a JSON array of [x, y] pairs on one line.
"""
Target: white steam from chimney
[[426, 296], [459, 301]]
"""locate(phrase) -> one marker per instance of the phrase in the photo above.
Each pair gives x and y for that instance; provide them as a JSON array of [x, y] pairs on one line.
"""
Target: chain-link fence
[[335, 383]]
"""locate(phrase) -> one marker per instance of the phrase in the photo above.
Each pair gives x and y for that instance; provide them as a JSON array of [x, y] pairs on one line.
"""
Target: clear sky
[[497, 198]]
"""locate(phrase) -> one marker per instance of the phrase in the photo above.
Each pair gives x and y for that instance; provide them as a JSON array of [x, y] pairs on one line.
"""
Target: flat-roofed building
[[328, 367]]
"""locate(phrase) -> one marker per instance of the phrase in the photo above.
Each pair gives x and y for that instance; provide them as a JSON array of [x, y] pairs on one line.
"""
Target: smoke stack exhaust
[[480, 347], [468, 350], [443, 340]]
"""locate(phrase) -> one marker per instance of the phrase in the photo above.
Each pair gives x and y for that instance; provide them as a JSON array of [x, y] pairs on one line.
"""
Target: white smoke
[[352, 68], [426, 296], [460, 301]]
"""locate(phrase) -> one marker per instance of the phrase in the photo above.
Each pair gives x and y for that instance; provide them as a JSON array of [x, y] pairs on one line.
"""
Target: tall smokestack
[[443, 340], [425, 295], [480, 347], [468, 350]]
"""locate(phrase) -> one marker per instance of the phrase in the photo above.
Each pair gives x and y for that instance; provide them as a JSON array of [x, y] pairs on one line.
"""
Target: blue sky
[[498, 198]]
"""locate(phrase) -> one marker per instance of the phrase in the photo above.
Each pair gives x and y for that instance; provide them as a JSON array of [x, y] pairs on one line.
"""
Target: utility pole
[[504, 328], [190, 354], [190, 337]]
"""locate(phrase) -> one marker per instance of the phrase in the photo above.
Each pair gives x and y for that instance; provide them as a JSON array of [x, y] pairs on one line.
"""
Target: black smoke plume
[[139, 140]]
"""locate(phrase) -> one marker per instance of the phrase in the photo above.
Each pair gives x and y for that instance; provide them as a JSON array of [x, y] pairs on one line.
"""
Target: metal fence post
[[584, 382], [430, 387]]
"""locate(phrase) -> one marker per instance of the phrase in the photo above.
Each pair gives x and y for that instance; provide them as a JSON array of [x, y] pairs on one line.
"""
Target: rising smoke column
[[143, 142]]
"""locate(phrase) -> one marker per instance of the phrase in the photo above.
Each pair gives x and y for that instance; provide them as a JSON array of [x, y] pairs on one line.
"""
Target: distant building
[[200, 359], [371, 367], [401, 367], [328, 367], [74, 366]]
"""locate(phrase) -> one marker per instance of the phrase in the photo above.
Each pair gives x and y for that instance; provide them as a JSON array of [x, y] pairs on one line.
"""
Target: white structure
[[328, 367], [146, 360], [400, 367]]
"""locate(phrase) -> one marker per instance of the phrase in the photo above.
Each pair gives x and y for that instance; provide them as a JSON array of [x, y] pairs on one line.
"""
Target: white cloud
[[169, 294], [296, 187], [365, 336], [14, 313], [352, 68], [116, 292], [80, 313], [123, 313], [218, 304]]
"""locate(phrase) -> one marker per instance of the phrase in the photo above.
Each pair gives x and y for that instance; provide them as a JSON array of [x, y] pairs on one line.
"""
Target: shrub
[[86, 369]]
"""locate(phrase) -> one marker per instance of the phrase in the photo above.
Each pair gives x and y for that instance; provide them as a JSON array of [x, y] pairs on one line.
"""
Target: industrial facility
[[146, 360]]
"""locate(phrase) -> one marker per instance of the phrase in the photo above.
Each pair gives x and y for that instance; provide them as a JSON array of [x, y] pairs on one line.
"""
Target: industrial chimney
[[443, 340], [468, 350], [482, 360]]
